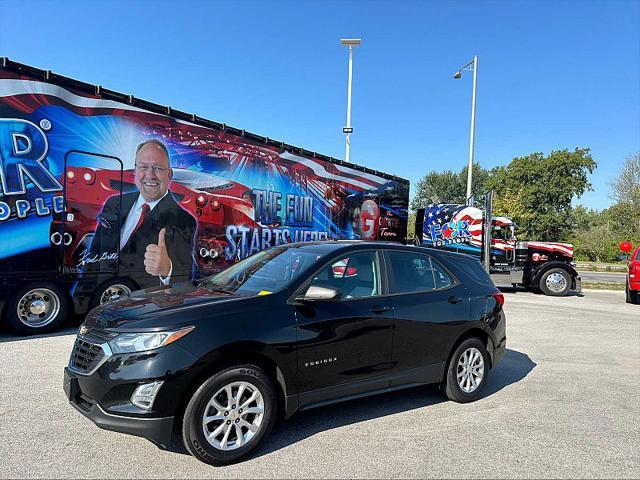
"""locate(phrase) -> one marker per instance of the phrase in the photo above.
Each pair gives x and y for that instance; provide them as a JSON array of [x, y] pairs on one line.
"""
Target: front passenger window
[[356, 276]]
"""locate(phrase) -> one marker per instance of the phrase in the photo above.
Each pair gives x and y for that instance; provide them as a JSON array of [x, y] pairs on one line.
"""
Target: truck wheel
[[111, 290], [229, 415], [468, 371], [632, 296], [36, 308], [555, 282]]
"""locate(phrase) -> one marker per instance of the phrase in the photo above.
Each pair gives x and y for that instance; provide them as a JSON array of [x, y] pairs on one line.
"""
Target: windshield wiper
[[218, 289]]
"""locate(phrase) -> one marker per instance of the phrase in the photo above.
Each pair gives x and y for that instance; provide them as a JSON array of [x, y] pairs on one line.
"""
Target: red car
[[213, 201], [633, 278]]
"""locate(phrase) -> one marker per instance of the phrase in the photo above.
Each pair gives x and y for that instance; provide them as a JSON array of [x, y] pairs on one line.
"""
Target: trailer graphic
[[78, 164]]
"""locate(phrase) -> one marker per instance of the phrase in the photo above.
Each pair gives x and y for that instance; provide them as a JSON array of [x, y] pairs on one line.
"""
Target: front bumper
[[159, 430], [577, 287]]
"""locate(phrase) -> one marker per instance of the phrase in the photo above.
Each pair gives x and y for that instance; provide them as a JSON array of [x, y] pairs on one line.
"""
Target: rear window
[[473, 269], [417, 273], [637, 257]]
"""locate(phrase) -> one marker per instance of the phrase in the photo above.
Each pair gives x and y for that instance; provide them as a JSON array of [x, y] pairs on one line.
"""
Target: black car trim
[[422, 375], [158, 430], [344, 392]]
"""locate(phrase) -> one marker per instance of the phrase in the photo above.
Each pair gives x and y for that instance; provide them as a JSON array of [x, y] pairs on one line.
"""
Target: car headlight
[[140, 342]]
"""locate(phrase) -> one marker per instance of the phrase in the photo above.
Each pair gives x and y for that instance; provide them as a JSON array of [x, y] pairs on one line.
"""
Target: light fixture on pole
[[471, 66], [348, 130]]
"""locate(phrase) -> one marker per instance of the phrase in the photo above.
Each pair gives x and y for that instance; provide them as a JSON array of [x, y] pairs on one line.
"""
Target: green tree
[[626, 186], [597, 244], [583, 218], [509, 204], [448, 186], [411, 226], [546, 186]]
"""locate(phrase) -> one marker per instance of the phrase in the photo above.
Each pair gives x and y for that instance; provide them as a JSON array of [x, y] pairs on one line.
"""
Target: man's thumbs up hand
[[156, 258]]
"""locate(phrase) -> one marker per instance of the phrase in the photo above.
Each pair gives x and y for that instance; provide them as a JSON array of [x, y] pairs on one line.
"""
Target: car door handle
[[454, 299], [379, 309]]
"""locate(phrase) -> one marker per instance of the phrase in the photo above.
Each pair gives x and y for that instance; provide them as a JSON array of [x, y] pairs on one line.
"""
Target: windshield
[[503, 233], [263, 273]]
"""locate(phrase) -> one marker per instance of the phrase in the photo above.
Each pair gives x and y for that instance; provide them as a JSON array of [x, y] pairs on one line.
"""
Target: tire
[[457, 387], [215, 450], [555, 282], [633, 297], [36, 308], [108, 290]]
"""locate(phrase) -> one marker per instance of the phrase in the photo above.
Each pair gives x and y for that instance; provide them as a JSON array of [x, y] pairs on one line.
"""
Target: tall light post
[[348, 130], [471, 66]]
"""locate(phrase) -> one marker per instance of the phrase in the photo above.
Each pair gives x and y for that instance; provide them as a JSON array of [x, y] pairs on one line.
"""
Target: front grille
[[86, 357], [95, 335]]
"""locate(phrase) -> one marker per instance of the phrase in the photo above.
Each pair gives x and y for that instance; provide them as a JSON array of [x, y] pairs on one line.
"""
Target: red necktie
[[145, 210]]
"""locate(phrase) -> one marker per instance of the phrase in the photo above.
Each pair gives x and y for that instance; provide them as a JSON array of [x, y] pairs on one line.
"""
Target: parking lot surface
[[564, 402]]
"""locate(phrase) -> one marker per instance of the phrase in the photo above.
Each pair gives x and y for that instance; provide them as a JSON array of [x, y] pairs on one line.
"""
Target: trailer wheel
[[36, 308], [555, 282], [111, 290]]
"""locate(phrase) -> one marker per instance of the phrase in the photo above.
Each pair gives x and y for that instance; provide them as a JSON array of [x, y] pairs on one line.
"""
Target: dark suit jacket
[[180, 233]]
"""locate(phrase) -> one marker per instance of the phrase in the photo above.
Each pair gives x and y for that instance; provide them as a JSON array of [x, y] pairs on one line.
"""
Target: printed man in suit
[[156, 235]]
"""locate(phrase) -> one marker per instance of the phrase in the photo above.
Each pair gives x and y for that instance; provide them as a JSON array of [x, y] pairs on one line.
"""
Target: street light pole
[[348, 130], [472, 65]]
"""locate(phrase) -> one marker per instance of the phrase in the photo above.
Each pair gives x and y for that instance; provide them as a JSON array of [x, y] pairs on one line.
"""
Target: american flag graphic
[[446, 215]]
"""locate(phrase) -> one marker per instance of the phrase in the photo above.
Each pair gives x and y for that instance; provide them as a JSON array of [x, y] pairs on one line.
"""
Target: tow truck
[[471, 228]]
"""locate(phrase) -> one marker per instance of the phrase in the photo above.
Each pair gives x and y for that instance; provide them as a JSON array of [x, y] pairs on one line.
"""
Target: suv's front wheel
[[229, 415]]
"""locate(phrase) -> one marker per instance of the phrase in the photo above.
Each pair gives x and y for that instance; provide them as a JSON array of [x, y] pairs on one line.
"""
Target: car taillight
[[201, 201], [499, 297], [634, 270], [216, 204]]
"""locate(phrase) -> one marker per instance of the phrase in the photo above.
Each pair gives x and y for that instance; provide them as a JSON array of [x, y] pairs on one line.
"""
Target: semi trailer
[[103, 193]]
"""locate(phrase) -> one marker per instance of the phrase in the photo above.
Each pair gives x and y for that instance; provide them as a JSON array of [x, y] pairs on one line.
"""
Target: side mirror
[[319, 294]]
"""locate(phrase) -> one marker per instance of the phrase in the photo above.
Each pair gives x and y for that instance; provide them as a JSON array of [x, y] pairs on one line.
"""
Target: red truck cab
[[633, 278]]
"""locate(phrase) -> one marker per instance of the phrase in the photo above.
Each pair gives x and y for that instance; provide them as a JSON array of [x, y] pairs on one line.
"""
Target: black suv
[[290, 328]]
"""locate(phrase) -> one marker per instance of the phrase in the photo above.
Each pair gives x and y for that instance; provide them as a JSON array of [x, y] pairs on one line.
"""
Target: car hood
[[155, 308]]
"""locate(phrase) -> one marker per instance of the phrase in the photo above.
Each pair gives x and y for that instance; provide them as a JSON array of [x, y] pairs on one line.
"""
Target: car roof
[[335, 246]]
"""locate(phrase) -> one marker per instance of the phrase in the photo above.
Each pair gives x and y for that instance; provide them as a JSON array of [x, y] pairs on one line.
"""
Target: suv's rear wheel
[[229, 415], [555, 282], [468, 371]]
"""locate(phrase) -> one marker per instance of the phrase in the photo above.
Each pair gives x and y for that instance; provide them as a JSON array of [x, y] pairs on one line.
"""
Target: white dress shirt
[[131, 222]]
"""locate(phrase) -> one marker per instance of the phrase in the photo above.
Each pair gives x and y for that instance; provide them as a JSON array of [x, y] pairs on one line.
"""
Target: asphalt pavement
[[562, 404]]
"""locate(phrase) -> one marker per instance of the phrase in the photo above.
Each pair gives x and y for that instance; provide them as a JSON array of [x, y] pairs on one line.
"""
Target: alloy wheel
[[233, 416], [470, 370]]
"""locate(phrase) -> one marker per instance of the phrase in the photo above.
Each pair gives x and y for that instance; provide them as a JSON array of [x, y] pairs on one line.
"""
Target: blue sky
[[552, 74]]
